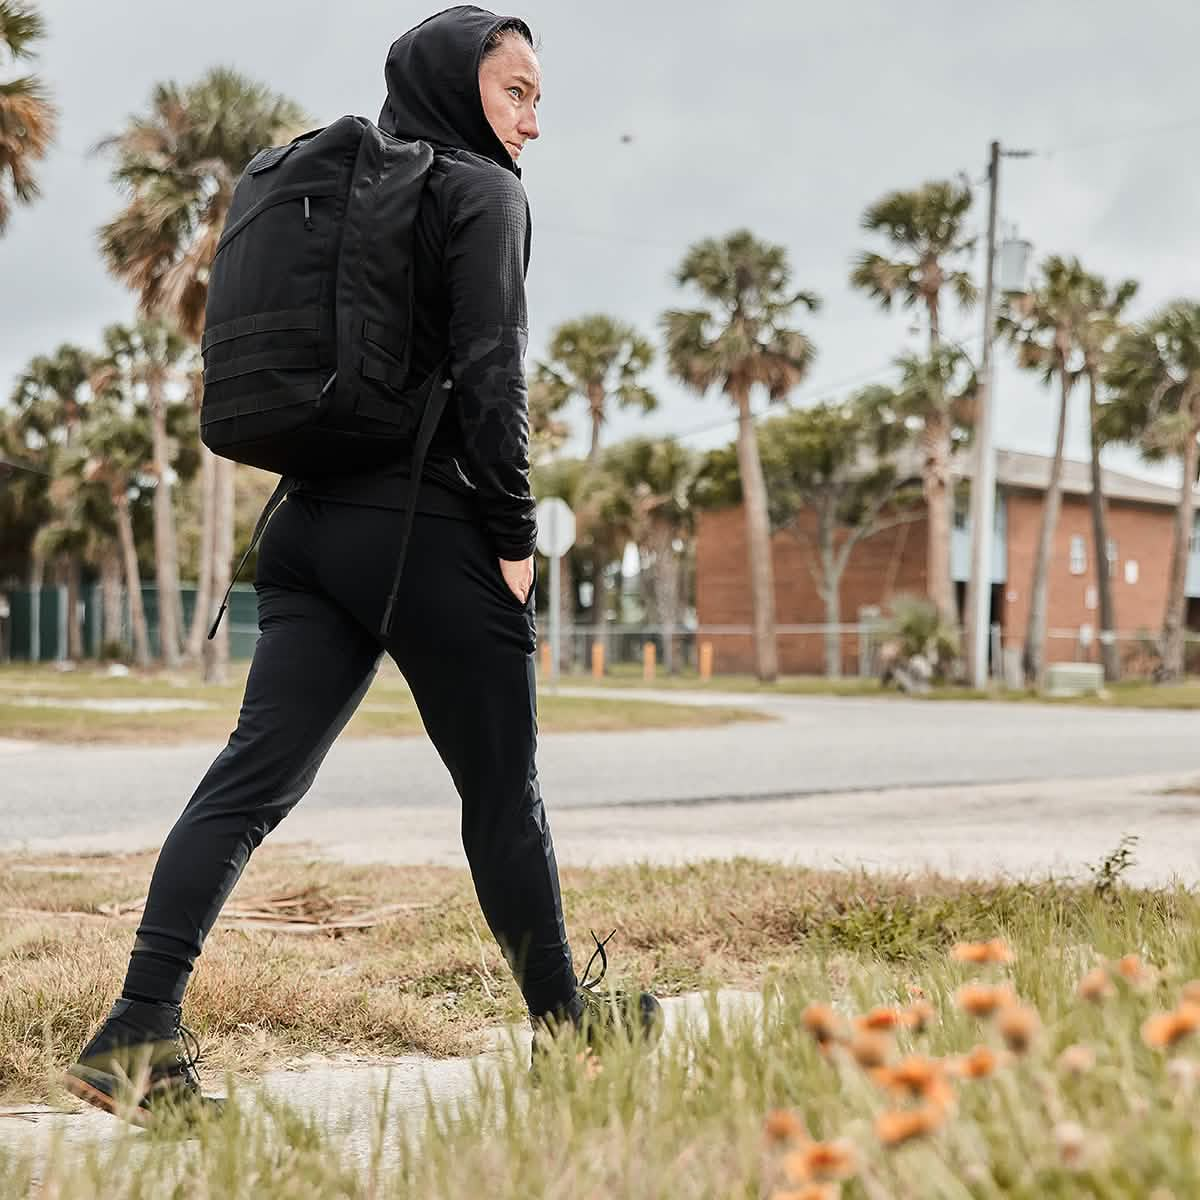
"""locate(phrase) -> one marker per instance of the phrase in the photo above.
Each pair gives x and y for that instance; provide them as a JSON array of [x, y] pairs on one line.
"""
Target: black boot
[[141, 1064], [599, 1015]]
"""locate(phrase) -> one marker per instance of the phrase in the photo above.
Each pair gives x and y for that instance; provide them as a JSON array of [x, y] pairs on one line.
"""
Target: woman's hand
[[519, 576]]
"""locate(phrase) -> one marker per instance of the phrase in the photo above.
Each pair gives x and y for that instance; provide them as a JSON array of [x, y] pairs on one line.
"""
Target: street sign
[[556, 527]]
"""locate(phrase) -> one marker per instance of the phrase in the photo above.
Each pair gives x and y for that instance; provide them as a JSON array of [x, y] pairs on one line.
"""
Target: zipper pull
[[307, 215]]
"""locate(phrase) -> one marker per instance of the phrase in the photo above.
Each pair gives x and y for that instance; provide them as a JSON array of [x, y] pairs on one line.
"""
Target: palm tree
[[50, 398], [600, 360], [116, 446], [1154, 378], [740, 339], [654, 480], [146, 359], [548, 433], [177, 166], [925, 229], [1096, 340], [27, 118], [1047, 325]]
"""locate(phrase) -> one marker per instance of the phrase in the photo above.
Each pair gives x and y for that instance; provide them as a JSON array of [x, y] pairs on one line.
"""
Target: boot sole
[[84, 1091]]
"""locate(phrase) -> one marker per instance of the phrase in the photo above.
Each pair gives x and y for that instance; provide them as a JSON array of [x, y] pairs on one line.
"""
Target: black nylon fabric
[[464, 643], [470, 255]]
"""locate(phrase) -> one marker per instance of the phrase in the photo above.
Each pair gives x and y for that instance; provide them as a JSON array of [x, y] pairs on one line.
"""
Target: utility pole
[[983, 482]]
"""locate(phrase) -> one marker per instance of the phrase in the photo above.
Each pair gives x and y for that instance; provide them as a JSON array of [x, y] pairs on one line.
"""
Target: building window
[[1078, 555], [1131, 570], [1194, 540], [1111, 550]]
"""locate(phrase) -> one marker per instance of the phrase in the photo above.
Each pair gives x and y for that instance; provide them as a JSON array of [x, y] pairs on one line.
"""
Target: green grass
[[1127, 694], [387, 711], [689, 1120]]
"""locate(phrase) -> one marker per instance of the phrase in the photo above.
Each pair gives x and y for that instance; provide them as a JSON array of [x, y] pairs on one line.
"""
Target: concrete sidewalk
[[346, 1095]]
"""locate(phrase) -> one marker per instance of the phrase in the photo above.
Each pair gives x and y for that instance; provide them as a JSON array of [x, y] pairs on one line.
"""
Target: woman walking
[[462, 632]]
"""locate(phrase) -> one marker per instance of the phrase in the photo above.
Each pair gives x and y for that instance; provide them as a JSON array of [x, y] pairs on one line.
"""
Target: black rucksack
[[307, 327]]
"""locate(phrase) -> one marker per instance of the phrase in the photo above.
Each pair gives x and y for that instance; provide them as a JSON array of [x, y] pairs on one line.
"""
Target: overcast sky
[[785, 117]]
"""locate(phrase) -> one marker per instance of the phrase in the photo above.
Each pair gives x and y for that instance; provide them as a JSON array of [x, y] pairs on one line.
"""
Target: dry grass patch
[[429, 977], [875, 1070]]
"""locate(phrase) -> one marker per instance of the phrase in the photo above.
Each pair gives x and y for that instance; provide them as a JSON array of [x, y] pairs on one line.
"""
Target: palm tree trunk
[[596, 408], [1035, 634], [202, 615], [1173, 623], [110, 598], [758, 538], [133, 582], [1109, 654], [939, 503], [73, 572], [666, 588], [37, 576], [166, 556], [216, 663]]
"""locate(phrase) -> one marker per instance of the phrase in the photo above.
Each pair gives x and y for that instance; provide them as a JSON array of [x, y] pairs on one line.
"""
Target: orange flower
[[975, 1064], [913, 1076], [1018, 1027], [1077, 1060], [870, 1049], [1165, 1029], [1134, 971], [903, 1125], [982, 1001], [1096, 985], [823, 1023], [783, 1125], [821, 1161], [881, 1019], [995, 951], [1191, 992]]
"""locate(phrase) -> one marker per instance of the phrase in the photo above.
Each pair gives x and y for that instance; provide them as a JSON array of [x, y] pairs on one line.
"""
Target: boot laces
[[188, 1057], [587, 983]]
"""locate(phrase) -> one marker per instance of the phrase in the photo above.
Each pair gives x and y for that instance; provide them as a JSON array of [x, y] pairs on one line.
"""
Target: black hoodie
[[471, 254]]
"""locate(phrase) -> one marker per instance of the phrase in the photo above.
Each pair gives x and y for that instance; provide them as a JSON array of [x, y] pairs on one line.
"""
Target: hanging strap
[[435, 405], [278, 496]]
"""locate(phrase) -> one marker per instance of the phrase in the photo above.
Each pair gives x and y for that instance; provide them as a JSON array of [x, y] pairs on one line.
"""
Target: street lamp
[[1013, 260]]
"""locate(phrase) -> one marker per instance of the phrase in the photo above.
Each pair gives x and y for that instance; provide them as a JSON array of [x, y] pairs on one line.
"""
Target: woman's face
[[510, 86]]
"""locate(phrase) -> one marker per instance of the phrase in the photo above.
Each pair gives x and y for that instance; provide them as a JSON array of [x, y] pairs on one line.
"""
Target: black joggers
[[465, 645]]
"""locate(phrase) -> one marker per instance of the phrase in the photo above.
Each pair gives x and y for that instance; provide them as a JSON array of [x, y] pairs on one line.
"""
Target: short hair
[[498, 36]]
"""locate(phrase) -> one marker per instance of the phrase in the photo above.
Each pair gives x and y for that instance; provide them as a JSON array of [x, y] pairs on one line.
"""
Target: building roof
[[1031, 472]]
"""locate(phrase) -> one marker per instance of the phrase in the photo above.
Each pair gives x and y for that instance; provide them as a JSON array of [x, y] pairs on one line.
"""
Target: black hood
[[432, 75]]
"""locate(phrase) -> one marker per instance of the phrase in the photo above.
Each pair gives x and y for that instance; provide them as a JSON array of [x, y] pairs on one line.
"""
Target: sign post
[[556, 535]]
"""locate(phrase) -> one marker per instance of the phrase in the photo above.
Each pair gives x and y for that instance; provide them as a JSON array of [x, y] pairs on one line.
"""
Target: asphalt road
[[815, 746]]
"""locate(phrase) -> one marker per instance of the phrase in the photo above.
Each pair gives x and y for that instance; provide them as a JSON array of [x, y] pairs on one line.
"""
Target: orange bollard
[[706, 660], [597, 660], [547, 664], [649, 661]]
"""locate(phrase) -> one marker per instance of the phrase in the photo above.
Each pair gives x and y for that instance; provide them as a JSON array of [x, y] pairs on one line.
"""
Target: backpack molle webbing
[[308, 323]]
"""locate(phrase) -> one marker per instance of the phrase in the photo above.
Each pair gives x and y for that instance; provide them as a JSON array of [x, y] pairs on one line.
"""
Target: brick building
[[893, 563]]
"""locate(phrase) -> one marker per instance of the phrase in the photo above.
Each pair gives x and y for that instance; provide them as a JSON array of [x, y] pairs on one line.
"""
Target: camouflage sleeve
[[486, 257]]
